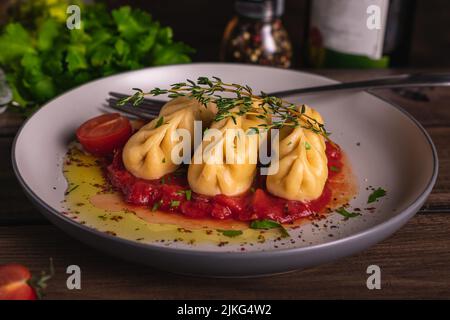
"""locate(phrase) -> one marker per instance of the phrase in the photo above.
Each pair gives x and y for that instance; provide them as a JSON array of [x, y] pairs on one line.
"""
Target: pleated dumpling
[[200, 112], [215, 174], [147, 154], [303, 170]]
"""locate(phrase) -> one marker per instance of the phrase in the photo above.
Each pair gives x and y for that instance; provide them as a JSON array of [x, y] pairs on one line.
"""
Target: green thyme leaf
[[303, 109], [160, 122], [240, 101]]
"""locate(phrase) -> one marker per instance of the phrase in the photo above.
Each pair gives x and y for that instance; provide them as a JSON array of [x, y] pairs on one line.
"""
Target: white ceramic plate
[[386, 146]]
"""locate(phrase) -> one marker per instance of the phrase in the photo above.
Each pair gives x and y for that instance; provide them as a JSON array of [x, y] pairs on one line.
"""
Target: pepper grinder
[[256, 34]]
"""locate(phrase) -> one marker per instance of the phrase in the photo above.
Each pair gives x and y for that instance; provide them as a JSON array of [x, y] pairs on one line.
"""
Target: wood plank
[[440, 197], [414, 264], [431, 36], [432, 112], [15, 208], [9, 123]]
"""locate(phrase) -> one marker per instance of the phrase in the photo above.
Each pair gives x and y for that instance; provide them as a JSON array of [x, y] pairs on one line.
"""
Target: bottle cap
[[260, 9]]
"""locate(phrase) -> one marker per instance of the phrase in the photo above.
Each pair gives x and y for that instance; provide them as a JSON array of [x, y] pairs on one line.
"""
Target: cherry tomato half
[[103, 134], [14, 283]]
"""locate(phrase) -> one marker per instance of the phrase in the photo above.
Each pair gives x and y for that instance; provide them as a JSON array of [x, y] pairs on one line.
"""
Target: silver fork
[[149, 108]]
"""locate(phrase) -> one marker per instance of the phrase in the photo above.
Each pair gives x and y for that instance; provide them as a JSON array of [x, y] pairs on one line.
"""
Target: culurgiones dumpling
[[147, 154], [303, 170], [214, 174]]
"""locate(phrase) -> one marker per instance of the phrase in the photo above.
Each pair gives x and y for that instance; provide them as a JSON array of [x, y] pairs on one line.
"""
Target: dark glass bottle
[[256, 34], [339, 37], [399, 29]]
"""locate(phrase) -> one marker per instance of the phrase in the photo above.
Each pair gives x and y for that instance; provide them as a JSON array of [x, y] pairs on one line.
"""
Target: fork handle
[[397, 81]]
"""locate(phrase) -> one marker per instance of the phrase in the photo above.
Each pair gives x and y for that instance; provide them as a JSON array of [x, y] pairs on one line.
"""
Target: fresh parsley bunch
[[44, 58]]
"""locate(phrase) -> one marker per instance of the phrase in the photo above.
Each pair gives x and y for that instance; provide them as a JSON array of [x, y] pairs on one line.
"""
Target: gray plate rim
[[367, 233]]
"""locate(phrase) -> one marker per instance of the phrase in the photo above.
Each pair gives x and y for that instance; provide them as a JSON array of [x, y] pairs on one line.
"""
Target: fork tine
[[148, 107], [133, 111], [147, 101], [146, 110], [152, 105]]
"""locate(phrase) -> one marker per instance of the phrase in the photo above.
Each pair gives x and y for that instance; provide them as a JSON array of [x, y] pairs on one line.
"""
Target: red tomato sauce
[[172, 194]]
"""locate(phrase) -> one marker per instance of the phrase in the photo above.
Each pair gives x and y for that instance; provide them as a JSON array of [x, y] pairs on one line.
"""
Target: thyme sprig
[[235, 100]]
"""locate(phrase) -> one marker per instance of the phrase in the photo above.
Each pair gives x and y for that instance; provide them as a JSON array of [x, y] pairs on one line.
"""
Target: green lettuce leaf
[[47, 34], [75, 58], [42, 58], [131, 23], [14, 43]]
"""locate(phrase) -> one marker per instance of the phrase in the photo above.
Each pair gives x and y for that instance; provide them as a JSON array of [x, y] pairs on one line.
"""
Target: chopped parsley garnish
[[269, 224], [156, 206], [343, 212], [335, 169], [307, 145], [374, 196], [174, 203], [187, 193], [230, 233]]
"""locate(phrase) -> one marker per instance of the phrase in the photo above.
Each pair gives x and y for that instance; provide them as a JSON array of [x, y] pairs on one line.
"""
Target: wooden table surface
[[415, 261]]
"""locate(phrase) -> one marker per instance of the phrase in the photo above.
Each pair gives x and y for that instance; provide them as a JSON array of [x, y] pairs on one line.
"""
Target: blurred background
[[41, 57], [424, 36], [201, 24]]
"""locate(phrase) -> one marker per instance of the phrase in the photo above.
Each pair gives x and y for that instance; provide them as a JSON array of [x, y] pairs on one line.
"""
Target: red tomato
[[104, 134], [268, 206], [220, 212], [195, 209], [237, 205], [14, 283]]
